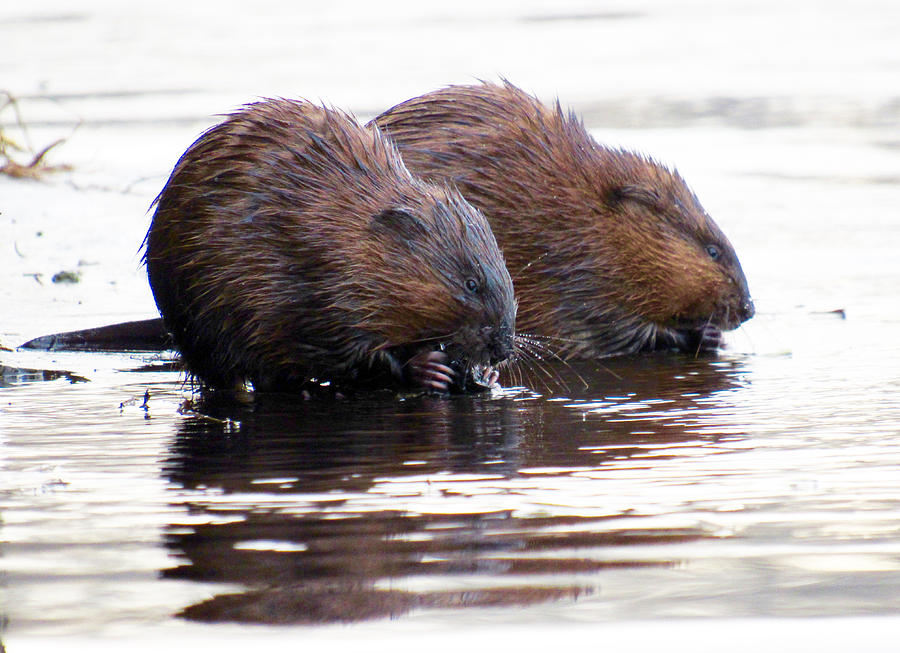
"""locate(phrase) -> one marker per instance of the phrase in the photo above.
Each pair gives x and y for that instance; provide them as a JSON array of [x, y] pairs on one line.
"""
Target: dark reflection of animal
[[290, 244], [610, 252], [314, 523]]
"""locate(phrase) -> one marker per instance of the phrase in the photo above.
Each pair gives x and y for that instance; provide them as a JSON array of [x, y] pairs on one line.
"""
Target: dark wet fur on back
[[291, 244], [608, 250]]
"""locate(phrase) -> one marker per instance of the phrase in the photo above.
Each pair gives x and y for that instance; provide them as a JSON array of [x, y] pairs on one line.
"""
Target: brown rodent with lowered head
[[290, 245], [610, 252]]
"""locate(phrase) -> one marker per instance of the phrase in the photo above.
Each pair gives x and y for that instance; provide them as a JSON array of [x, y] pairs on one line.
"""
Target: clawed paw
[[487, 377], [429, 369], [710, 339]]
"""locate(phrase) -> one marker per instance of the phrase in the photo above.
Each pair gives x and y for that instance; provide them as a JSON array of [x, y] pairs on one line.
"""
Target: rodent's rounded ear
[[400, 223], [646, 196]]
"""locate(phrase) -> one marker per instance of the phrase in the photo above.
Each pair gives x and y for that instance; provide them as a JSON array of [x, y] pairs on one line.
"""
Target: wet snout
[[747, 310], [498, 342], [735, 313]]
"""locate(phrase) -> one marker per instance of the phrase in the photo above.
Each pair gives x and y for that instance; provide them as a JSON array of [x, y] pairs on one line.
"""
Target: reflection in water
[[11, 376], [348, 510]]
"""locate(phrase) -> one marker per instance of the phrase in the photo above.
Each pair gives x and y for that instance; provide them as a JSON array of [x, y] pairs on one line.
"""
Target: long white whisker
[[535, 363], [538, 351]]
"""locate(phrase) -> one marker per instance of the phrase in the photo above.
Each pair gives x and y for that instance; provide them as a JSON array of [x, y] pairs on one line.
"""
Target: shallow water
[[757, 485], [713, 482]]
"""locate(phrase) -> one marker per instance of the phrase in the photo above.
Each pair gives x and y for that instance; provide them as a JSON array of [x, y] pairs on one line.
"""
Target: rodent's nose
[[499, 343], [748, 310]]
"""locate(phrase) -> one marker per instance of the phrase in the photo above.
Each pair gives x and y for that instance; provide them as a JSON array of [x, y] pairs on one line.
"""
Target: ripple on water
[[662, 487]]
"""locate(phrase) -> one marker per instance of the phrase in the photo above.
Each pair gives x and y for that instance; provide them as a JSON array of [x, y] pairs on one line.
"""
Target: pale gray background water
[[753, 492]]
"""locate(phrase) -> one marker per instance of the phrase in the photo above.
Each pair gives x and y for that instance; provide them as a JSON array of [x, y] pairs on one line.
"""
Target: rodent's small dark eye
[[472, 285], [713, 252]]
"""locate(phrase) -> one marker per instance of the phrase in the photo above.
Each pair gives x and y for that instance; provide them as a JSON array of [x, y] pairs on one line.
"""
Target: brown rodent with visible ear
[[610, 252], [291, 246]]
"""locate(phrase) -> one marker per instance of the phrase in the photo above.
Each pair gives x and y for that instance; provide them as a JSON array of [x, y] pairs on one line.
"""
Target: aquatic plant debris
[[35, 167], [66, 276]]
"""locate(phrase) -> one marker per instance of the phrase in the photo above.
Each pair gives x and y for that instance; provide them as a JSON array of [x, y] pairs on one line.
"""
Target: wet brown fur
[[607, 248], [292, 244]]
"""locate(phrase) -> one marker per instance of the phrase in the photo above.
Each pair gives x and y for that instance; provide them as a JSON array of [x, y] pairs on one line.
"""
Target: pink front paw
[[428, 369], [483, 378], [492, 378], [711, 339]]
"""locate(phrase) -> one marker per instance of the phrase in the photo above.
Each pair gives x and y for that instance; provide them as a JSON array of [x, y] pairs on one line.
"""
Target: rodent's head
[[661, 238], [439, 267]]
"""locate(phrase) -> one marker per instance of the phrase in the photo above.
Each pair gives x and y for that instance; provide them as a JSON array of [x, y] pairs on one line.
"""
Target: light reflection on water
[[663, 472]]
